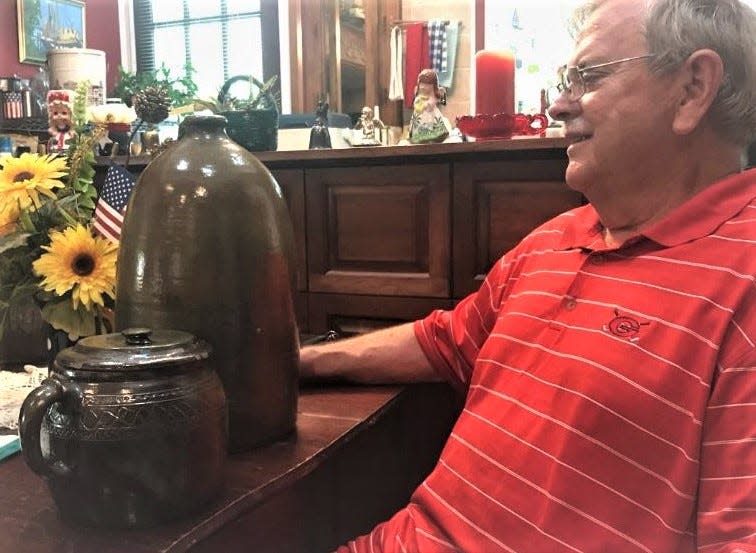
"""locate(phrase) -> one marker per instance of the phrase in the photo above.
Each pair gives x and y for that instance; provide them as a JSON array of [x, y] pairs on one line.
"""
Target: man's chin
[[576, 176]]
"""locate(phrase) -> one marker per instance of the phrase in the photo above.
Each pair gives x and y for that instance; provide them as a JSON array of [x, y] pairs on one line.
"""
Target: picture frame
[[46, 24]]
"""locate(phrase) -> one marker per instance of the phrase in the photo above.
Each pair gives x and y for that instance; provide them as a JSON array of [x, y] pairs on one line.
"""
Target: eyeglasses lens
[[570, 81]]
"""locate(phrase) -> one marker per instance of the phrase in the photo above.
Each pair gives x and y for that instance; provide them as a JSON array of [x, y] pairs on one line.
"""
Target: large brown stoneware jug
[[207, 247], [128, 430]]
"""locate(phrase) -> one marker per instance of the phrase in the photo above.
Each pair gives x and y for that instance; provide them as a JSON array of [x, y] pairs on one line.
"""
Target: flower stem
[[67, 216]]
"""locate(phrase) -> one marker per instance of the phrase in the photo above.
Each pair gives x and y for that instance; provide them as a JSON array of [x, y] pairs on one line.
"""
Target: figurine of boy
[[366, 124], [427, 123], [60, 119]]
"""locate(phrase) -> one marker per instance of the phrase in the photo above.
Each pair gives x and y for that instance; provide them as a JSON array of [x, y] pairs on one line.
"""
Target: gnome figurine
[[60, 119]]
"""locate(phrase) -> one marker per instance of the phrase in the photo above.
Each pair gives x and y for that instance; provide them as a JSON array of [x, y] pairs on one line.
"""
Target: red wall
[[102, 33]]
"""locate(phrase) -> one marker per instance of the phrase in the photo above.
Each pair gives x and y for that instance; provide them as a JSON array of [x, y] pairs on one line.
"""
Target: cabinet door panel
[[379, 230], [349, 315], [495, 205]]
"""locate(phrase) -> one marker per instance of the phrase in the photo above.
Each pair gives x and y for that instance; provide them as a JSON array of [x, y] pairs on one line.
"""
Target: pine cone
[[152, 104]]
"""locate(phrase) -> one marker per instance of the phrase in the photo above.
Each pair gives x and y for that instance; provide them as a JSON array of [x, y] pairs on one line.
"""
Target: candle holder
[[502, 125]]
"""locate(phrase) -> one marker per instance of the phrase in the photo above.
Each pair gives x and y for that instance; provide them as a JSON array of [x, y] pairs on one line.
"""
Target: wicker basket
[[254, 129]]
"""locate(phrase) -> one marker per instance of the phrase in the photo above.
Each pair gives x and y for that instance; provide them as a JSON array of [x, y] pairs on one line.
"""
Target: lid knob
[[137, 336]]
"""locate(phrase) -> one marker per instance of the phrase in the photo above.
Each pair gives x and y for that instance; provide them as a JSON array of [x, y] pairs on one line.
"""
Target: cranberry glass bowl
[[502, 125]]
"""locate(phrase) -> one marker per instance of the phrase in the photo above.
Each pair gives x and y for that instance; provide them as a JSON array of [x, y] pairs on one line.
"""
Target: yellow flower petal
[[8, 219], [14, 195], [78, 261], [23, 178]]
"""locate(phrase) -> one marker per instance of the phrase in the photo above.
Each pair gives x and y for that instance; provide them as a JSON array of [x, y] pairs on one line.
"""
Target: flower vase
[[207, 247], [25, 337]]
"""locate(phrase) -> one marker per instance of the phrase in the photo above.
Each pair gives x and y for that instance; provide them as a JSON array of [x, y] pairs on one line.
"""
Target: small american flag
[[111, 205], [12, 106]]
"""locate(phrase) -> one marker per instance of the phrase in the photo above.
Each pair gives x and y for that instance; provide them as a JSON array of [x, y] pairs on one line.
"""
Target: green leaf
[[62, 316], [13, 240], [26, 223], [86, 202]]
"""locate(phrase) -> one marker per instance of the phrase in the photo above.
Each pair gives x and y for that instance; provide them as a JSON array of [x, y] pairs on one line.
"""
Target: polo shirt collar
[[695, 218], [706, 211]]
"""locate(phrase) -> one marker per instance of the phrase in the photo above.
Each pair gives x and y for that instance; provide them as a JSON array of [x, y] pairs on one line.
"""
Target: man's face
[[621, 124]]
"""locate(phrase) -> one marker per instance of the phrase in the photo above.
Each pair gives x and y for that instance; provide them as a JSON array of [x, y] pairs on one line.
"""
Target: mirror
[[335, 50], [352, 56]]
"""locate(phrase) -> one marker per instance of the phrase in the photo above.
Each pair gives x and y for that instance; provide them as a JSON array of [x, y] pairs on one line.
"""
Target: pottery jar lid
[[133, 349]]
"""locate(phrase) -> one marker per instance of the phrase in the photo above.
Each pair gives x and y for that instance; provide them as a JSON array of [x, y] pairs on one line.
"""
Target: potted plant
[[253, 119], [180, 90]]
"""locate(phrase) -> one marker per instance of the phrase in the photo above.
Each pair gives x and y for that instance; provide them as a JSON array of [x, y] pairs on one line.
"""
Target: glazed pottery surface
[[207, 247], [128, 430]]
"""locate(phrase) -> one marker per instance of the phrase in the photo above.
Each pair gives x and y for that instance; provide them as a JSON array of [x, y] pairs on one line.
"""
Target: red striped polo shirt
[[610, 392]]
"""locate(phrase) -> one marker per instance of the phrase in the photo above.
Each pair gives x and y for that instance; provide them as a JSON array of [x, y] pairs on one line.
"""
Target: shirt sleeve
[[451, 340], [727, 488]]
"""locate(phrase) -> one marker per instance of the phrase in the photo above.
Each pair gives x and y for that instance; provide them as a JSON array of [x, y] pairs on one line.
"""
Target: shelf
[[25, 125]]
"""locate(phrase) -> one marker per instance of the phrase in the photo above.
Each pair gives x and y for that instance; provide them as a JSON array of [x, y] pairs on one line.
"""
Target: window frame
[[144, 48]]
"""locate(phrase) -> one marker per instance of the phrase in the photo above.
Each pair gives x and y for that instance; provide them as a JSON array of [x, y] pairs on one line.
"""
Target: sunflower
[[23, 179], [77, 260], [8, 219]]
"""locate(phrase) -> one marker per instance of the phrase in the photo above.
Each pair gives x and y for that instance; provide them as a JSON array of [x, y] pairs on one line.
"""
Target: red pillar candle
[[494, 81]]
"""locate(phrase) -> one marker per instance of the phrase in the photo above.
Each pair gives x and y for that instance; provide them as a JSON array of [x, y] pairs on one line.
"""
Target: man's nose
[[562, 108]]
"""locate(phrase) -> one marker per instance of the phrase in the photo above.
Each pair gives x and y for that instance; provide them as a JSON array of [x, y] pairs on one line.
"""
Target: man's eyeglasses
[[573, 79]]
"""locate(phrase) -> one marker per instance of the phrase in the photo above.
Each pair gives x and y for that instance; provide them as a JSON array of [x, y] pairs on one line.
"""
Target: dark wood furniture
[[357, 455], [387, 234]]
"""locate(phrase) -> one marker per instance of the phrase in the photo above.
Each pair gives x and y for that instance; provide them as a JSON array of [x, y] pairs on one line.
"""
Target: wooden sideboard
[[387, 234], [356, 456]]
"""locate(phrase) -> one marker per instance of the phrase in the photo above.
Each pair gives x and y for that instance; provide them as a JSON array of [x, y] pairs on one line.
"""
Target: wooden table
[[357, 454]]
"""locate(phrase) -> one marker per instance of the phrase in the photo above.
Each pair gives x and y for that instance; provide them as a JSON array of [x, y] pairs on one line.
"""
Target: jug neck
[[202, 125]]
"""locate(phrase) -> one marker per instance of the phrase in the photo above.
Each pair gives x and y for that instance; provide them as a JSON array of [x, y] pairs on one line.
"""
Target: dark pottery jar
[[129, 429], [207, 247]]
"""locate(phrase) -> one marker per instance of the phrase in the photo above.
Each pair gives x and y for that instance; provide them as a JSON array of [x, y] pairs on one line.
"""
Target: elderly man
[[608, 360]]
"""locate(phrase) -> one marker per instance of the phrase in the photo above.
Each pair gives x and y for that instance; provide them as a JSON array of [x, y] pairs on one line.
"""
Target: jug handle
[[33, 410]]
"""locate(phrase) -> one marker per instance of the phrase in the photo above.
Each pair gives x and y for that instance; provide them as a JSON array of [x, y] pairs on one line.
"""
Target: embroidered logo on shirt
[[624, 326]]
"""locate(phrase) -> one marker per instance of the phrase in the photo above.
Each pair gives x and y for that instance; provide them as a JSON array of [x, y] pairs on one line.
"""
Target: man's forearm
[[385, 356]]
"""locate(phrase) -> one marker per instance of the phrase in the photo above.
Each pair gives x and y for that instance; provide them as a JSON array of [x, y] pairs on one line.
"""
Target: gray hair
[[674, 29]]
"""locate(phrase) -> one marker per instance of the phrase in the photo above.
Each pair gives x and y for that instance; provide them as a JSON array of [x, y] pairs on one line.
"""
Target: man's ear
[[701, 76]]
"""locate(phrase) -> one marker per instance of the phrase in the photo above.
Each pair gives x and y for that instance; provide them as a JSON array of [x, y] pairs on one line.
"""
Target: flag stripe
[[111, 205]]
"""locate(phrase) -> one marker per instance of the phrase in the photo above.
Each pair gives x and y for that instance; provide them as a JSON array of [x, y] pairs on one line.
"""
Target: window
[[536, 32], [218, 38]]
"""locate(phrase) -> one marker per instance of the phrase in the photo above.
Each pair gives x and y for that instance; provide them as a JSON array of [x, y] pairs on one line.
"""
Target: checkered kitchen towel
[[438, 44]]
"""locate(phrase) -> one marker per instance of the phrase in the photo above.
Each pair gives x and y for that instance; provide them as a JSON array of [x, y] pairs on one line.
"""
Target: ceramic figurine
[[319, 136], [60, 119], [366, 124], [369, 124], [427, 123]]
